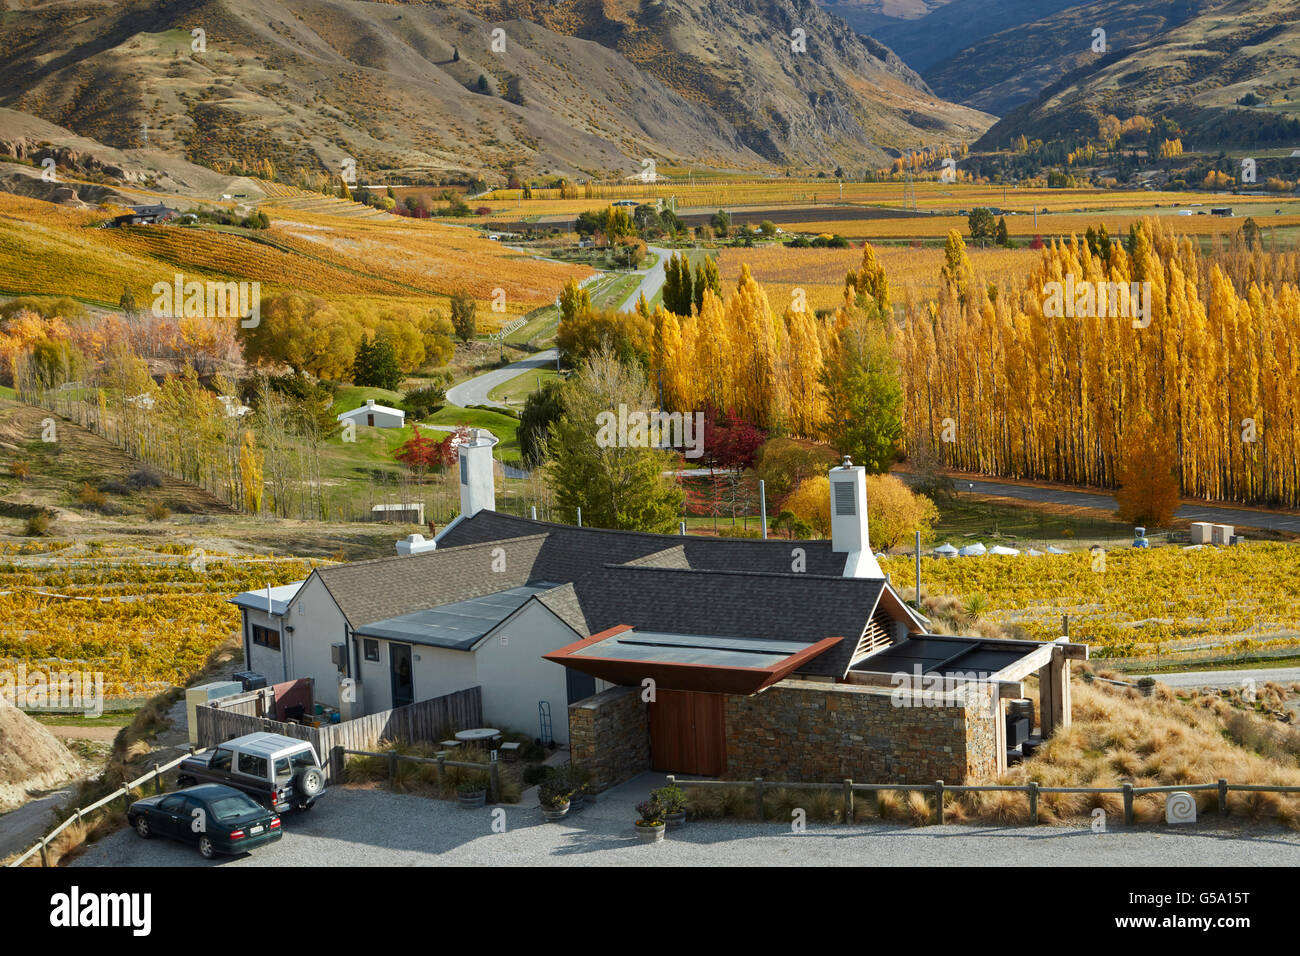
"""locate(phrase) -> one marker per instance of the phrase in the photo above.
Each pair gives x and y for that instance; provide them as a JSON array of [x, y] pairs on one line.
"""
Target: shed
[[375, 415]]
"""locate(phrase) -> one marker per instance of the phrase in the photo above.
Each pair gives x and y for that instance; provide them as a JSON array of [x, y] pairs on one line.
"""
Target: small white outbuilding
[[375, 415]]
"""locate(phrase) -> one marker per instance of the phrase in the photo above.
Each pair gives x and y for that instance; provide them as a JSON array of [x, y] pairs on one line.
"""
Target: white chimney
[[849, 521], [370, 403], [477, 489], [415, 544]]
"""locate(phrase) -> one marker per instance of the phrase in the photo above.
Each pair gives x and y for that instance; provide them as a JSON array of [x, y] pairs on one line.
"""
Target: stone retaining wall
[[610, 735], [815, 732]]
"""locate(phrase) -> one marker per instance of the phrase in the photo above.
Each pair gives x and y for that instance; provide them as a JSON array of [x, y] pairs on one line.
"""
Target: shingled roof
[[369, 591], [670, 583], [572, 551]]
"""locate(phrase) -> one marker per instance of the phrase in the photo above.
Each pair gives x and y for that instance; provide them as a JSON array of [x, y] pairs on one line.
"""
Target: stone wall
[[815, 732], [610, 734]]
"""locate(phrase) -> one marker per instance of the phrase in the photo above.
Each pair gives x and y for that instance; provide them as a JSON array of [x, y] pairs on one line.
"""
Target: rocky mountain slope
[[402, 89]]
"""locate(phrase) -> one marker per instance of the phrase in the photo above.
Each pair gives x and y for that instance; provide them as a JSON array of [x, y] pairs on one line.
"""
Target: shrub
[[157, 511], [671, 796], [89, 497], [424, 401], [38, 525], [143, 478], [20, 470], [474, 783]]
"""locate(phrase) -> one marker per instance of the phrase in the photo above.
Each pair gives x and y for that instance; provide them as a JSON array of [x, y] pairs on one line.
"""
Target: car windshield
[[234, 805]]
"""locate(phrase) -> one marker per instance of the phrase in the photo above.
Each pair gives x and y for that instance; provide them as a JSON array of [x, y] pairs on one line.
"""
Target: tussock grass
[[422, 778]]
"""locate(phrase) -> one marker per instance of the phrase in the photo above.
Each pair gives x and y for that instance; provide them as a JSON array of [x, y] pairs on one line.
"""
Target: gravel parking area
[[354, 827]]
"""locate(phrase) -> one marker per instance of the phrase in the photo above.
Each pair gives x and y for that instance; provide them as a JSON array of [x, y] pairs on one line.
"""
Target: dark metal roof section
[[943, 656], [700, 662], [458, 625]]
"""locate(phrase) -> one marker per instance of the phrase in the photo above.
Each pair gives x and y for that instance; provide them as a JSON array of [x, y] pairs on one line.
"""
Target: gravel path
[[353, 827], [1261, 676]]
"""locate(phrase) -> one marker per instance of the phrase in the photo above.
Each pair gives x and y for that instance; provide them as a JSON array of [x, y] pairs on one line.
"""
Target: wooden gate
[[688, 733]]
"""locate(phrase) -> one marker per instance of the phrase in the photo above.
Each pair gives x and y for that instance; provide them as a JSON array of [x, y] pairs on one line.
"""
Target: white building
[[375, 415], [501, 601]]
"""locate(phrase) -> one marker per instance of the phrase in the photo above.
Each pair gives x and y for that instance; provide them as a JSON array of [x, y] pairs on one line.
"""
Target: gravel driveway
[[352, 827]]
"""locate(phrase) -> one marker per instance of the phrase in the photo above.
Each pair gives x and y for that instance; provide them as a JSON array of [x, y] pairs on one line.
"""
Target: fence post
[[442, 765], [1033, 803], [938, 801], [848, 800], [494, 776], [157, 781], [758, 798], [392, 768], [338, 763], [1128, 804], [45, 860], [1223, 795]]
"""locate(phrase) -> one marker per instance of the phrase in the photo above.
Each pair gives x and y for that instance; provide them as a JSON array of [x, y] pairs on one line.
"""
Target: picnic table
[[478, 735]]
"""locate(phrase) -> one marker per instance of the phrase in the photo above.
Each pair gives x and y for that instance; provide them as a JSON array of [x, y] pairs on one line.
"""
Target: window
[[266, 637], [220, 759], [282, 771], [172, 804], [252, 766], [372, 649]]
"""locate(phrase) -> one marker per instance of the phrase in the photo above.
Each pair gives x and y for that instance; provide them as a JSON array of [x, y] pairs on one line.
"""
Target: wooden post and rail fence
[[492, 767], [123, 794], [938, 789]]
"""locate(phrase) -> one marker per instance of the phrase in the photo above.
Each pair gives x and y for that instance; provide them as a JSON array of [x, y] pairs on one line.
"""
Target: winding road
[[474, 391]]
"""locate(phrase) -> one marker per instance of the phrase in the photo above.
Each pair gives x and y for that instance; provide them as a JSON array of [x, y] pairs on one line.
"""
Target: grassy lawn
[[504, 427], [521, 386], [349, 397]]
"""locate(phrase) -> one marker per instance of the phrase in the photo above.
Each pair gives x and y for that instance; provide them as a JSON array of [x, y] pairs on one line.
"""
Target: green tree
[[464, 315], [981, 224], [864, 395], [706, 277], [721, 223], [678, 293], [542, 409], [1002, 238], [376, 366], [616, 485]]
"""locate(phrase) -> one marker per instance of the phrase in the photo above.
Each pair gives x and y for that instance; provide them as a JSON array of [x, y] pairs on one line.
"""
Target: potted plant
[[472, 791], [674, 803], [553, 794], [1147, 685], [650, 828], [578, 779]]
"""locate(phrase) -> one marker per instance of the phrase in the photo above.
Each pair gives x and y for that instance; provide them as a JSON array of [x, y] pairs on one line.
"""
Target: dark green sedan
[[217, 818]]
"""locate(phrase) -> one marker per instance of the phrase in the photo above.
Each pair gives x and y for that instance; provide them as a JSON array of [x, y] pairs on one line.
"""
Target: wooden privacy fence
[[493, 766], [123, 794], [939, 788], [426, 720]]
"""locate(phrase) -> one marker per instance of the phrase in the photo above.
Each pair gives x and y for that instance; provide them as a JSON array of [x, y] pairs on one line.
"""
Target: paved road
[[1241, 517], [474, 391], [1261, 676], [374, 828], [652, 282], [21, 827]]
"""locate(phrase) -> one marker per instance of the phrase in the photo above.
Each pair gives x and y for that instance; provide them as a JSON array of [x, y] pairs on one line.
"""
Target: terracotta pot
[[674, 820]]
